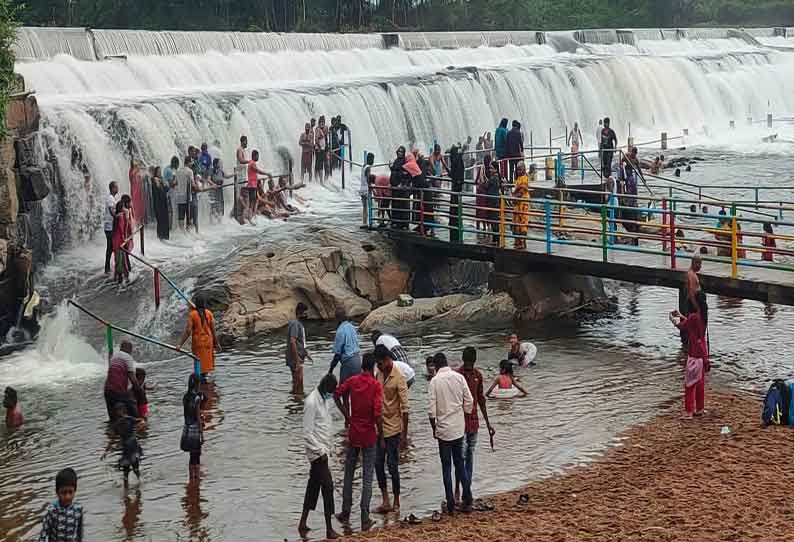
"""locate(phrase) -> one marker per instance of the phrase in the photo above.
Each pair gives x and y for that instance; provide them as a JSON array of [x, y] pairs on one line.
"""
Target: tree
[[8, 26]]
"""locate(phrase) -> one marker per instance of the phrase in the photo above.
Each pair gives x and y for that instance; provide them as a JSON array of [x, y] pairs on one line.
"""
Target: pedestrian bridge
[[644, 240]]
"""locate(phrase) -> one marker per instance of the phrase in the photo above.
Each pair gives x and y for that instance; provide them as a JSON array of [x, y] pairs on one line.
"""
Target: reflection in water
[[132, 512], [195, 517]]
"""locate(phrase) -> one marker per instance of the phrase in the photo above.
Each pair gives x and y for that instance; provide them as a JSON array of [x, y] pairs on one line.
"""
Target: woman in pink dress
[[123, 226], [136, 191]]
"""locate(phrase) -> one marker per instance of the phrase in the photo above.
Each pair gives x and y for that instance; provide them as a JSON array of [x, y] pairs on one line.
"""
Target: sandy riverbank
[[671, 480]]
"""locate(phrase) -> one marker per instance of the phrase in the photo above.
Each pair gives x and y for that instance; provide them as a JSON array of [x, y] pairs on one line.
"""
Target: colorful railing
[[655, 230]]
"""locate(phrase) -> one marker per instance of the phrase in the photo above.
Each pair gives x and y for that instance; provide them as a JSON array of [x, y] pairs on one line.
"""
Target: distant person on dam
[[306, 144], [108, 216], [500, 146], [320, 150], [514, 148], [607, 144]]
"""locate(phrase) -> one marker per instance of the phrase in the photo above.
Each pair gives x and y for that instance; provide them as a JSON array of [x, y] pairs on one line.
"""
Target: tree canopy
[[391, 15]]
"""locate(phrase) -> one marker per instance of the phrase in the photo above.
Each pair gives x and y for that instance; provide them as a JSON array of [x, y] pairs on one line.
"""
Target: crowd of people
[[322, 147]]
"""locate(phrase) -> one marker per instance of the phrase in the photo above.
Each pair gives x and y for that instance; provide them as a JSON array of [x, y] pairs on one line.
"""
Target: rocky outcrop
[[542, 295], [446, 310], [329, 271]]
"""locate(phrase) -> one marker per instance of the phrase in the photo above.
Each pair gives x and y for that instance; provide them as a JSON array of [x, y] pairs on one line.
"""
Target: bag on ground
[[774, 405]]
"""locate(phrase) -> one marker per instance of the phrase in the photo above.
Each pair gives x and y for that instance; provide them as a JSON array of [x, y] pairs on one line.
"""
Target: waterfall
[[172, 89]]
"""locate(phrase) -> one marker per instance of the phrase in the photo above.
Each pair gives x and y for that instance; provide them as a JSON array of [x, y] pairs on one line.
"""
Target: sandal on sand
[[523, 499], [412, 520], [482, 506], [436, 517]]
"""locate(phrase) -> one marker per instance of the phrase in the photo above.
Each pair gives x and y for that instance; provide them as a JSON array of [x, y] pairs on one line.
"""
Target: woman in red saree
[[695, 325], [136, 191], [123, 225]]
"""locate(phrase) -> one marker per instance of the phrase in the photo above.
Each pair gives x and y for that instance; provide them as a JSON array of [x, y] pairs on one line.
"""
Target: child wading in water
[[192, 432], [124, 426], [506, 380], [64, 519], [140, 393]]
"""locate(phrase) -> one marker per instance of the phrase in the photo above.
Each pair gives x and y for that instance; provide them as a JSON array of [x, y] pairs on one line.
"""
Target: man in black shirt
[[514, 147], [607, 146]]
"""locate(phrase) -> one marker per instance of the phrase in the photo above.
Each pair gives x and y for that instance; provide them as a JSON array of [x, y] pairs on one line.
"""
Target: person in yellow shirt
[[395, 428]]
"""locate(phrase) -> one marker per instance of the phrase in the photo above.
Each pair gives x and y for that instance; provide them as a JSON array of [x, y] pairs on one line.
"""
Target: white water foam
[[59, 357]]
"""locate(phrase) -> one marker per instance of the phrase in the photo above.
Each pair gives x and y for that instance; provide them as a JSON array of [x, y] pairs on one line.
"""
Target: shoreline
[[669, 479]]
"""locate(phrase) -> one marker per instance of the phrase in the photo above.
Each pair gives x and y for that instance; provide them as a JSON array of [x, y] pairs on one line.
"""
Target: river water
[[594, 378]]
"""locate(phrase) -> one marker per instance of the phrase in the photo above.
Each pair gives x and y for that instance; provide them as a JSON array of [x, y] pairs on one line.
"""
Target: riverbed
[[594, 379]]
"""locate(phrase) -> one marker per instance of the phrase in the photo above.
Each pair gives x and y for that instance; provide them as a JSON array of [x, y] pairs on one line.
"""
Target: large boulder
[[329, 271], [393, 317], [542, 295]]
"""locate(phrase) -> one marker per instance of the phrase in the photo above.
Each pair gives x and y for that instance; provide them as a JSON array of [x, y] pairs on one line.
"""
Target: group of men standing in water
[[323, 146], [372, 394]]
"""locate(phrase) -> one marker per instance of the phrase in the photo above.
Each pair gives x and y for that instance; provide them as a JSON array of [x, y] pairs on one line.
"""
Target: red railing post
[[664, 225], [156, 288], [672, 239]]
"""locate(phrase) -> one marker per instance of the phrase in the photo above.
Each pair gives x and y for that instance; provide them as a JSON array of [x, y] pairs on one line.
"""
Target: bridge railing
[[609, 223]]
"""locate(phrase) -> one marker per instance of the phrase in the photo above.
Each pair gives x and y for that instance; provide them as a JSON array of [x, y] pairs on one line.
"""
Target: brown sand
[[671, 480]]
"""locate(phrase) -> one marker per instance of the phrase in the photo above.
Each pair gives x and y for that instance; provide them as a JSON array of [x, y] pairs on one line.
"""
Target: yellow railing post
[[501, 221], [734, 249]]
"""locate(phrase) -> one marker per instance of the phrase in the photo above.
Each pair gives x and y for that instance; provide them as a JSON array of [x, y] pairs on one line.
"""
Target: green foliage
[[394, 15], [8, 27]]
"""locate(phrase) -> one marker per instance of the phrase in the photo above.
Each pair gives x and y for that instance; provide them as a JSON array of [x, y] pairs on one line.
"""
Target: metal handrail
[[425, 216]]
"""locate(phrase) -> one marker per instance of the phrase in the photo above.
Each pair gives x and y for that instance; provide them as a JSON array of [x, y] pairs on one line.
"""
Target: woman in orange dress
[[201, 330]]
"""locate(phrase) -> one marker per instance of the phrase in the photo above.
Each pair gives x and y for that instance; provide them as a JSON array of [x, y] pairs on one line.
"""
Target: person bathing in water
[[506, 381], [523, 352], [11, 404], [124, 427]]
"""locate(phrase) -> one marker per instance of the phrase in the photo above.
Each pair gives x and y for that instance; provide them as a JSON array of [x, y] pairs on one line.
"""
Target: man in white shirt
[[108, 214], [318, 439], [363, 189], [399, 355], [449, 399]]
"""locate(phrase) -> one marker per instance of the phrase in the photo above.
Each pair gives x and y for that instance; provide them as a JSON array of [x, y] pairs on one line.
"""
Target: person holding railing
[[521, 206], [122, 238], [493, 193], [422, 204], [769, 243], [400, 181], [200, 328]]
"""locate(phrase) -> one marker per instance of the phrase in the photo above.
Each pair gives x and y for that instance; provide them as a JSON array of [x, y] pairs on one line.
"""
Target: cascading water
[[171, 90]]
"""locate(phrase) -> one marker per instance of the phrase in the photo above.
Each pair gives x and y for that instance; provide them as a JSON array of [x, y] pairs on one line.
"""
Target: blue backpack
[[775, 410]]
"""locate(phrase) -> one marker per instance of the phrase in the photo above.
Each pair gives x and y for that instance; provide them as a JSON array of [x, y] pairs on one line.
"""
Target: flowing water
[[593, 379]]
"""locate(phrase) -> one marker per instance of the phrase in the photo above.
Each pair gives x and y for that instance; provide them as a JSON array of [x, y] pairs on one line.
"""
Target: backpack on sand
[[775, 409]]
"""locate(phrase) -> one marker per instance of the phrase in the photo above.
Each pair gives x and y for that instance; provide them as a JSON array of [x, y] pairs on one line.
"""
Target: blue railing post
[[548, 226]]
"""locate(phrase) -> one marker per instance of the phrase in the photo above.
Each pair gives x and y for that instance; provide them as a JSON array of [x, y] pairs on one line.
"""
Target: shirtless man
[[688, 294], [11, 404]]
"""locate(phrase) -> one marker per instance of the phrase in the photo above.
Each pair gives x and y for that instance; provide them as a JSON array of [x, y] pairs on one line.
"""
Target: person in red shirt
[[253, 181], [474, 379], [365, 421], [695, 326]]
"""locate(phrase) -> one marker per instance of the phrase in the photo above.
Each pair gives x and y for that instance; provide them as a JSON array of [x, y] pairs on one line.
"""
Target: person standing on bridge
[[515, 148], [457, 172], [108, 216], [500, 146], [400, 181], [367, 179], [521, 206], [575, 139], [606, 145]]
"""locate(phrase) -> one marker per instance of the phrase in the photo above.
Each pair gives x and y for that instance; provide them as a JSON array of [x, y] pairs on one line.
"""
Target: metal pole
[[130, 333], [604, 247], [342, 153], [664, 225], [502, 241], [531, 146], [156, 288], [142, 245], [672, 237], [734, 249], [547, 204]]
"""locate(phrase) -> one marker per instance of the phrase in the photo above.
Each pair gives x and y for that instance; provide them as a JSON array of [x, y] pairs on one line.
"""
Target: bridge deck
[[630, 265]]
